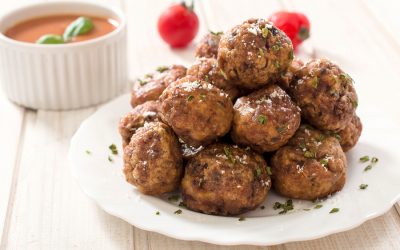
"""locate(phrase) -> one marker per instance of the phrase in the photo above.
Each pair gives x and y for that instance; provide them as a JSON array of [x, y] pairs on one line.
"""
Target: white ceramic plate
[[103, 181]]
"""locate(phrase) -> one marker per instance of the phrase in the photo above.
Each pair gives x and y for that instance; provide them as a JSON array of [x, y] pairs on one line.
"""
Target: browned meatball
[[225, 180], [265, 120], [152, 160], [286, 80], [208, 45], [206, 69], [325, 94], [197, 111], [311, 166], [255, 53], [348, 137], [136, 118], [152, 85]]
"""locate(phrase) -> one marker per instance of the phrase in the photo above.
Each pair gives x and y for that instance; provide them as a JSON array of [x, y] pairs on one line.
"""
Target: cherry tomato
[[178, 25], [296, 25]]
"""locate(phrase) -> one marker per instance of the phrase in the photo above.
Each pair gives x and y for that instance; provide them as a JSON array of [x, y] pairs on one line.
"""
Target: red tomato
[[294, 24], [178, 25]]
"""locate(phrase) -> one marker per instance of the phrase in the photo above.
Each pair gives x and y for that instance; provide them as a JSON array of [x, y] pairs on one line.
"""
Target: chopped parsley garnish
[[261, 51], [158, 213], [334, 210], [206, 78], [269, 171], [258, 171], [318, 206], [374, 160], [174, 198], [306, 209], [291, 56], [309, 154], [367, 168], [324, 161], [275, 47], [110, 159], [302, 146], [287, 206], [363, 186], [364, 159], [88, 152], [264, 32], [314, 82], [190, 98], [262, 119], [241, 218], [179, 211], [218, 33], [355, 104], [142, 82], [113, 149], [320, 138], [162, 68], [228, 153], [337, 136], [277, 64]]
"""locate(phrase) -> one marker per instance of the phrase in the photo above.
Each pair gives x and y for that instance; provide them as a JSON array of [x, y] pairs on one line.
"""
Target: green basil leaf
[[80, 26], [50, 39]]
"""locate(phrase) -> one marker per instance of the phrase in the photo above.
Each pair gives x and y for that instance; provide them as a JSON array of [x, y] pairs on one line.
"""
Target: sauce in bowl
[[31, 30]]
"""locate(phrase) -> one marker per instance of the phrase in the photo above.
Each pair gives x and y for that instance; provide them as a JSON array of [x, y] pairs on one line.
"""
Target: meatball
[[197, 111], [265, 120], [254, 53], [136, 118], [311, 166], [325, 94], [207, 69], [152, 85], [225, 180], [348, 137], [286, 80], [152, 159], [208, 45]]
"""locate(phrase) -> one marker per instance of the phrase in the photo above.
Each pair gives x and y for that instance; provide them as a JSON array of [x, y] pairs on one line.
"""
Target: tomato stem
[[303, 33], [188, 7]]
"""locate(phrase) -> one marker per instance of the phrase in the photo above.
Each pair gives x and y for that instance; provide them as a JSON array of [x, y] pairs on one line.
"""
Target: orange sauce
[[30, 30]]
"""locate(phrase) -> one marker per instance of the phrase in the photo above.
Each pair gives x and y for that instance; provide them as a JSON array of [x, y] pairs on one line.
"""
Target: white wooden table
[[41, 207]]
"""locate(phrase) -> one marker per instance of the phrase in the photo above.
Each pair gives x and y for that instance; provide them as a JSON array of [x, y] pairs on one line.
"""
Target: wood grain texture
[[41, 207]]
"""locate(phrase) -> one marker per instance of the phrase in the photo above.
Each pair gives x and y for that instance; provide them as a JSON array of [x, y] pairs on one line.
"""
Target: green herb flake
[[228, 153], [110, 159], [277, 64], [88, 152], [203, 96], [161, 69], [174, 198], [320, 138], [337, 136], [287, 206], [324, 161], [365, 158], [314, 82], [363, 186], [261, 51], [374, 160], [282, 129], [158, 213], [218, 33], [309, 154], [113, 149], [275, 47], [269, 170], [179, 211], [190, 98], [264, 32], [241, 218], [334, 210], [258, 172], [367, 168], [355, 104], [142, 82], [318, 206], [262, 119], [306, 209], [291, 55], [302, 146]]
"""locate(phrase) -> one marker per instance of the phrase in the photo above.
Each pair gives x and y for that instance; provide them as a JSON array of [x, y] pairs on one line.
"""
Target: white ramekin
[[67, 76]]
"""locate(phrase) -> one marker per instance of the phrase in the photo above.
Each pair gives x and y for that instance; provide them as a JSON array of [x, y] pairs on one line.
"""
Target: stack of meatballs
[[210, 130]]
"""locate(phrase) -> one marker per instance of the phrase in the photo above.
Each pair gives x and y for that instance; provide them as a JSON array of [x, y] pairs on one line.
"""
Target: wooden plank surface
[[41, 207]]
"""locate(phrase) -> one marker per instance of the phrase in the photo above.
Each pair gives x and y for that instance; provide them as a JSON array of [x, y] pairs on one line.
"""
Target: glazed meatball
[[208, 45], [206, 69], [311, 166], [265, 120], [255, 53], [286, 80], [348, 137], [325, 94], [197, 111], [136, 118], [152, 159], [152, 85], [225, 180]]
